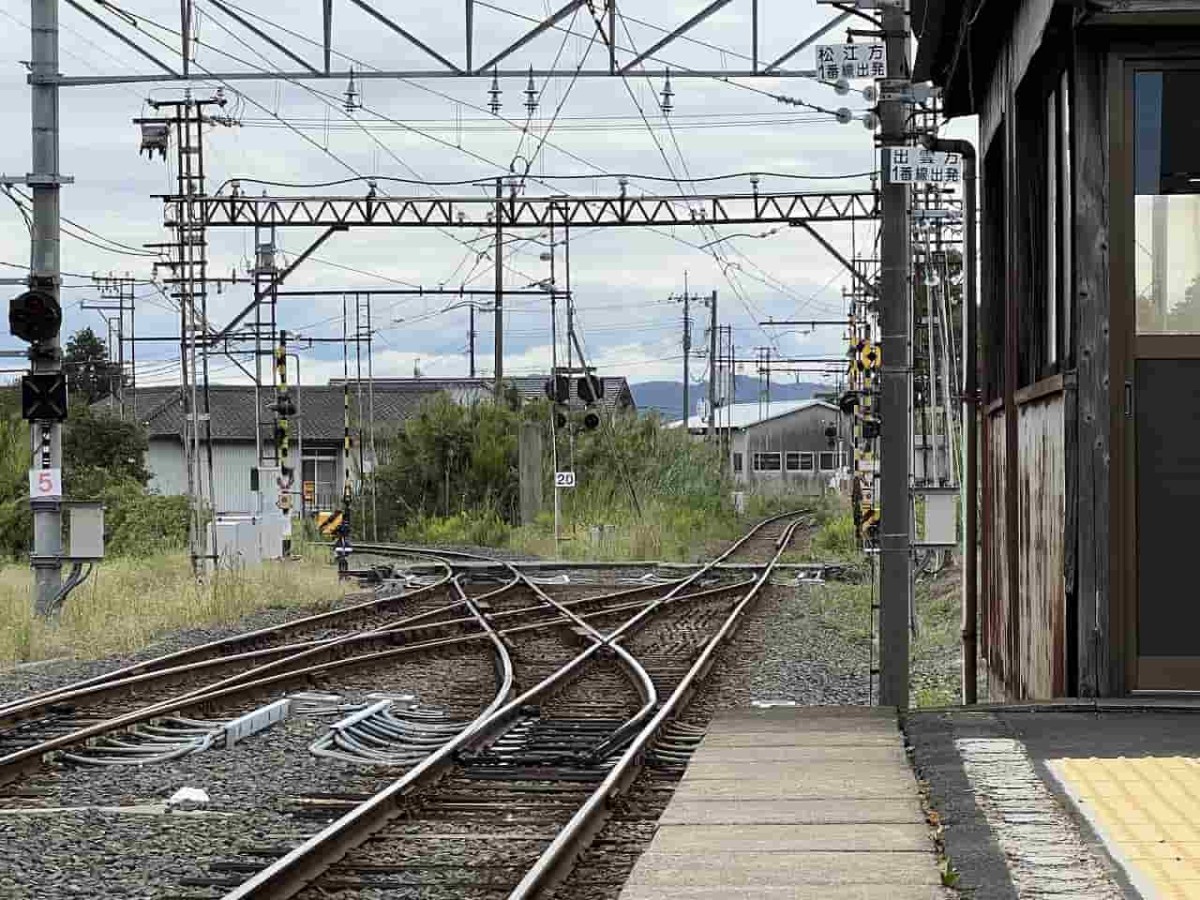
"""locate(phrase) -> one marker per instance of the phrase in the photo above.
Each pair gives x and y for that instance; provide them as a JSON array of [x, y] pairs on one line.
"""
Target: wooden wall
[[1041, 533], [995, 648], [1025, 628]]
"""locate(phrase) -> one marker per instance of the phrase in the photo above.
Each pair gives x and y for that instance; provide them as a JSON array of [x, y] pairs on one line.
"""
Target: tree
[[91, 375], [99, 450]]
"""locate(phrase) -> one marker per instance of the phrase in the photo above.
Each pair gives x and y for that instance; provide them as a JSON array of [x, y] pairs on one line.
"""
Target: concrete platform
[[792, 803], [1082, 801]]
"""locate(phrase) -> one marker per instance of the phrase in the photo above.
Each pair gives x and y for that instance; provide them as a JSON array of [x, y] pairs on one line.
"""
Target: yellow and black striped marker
[[328, 522]]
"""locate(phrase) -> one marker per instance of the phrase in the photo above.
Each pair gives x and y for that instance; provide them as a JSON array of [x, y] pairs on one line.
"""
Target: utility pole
[[471, 339], [895, 324], [687, 352], [499, 294], [44, 273], [712, 368], [686, 300]]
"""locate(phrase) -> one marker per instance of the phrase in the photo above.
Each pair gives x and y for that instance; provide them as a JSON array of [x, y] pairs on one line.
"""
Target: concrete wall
[[801, 432]]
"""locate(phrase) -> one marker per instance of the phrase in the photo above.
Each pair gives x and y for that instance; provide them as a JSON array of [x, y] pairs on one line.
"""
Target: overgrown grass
[[128, 603]]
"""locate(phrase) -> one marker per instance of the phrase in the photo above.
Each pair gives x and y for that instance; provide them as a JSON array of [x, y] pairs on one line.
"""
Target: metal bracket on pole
[[36, 180]]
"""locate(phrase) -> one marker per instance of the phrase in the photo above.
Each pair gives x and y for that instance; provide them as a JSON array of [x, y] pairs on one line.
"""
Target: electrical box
[[86, 523], [941, 517]]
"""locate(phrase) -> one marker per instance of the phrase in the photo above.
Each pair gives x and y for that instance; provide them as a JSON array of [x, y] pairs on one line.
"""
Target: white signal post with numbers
[[564, 479], [851, 61], [45, 484], [916, 165]]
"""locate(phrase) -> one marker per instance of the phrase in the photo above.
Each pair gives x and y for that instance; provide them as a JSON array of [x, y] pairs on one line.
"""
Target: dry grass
[[127, 603]]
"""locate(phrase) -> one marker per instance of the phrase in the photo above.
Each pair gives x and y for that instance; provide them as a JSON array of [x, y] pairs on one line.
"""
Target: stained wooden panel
[[995, 585], [1041, 497]]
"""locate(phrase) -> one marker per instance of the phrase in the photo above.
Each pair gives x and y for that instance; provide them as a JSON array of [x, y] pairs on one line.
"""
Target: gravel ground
[[793, 646], [252, 789]]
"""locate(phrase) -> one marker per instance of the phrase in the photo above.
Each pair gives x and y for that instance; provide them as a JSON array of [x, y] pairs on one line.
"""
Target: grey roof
[[321, 407], [746, 415]]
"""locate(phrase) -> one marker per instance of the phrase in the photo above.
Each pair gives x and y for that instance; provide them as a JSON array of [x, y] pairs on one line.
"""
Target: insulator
[[531, 94], [351, 102], [494, 93], [667, 94]]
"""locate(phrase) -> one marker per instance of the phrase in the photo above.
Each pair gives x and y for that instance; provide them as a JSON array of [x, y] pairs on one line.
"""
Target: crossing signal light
[[870, 429], [591, 420], [560, 420], [848, 401], [590, 388], [34, 316]]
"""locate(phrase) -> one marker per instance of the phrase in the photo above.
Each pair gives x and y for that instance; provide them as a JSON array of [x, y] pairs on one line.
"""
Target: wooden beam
[[1091, 184]]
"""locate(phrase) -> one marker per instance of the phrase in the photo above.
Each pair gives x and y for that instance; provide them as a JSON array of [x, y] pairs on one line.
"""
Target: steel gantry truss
[[524, 212], [312, 56]]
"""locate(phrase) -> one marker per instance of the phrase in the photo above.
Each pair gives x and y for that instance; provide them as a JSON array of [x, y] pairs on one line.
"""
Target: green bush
[[835, 538], [141, 524], [482, 528]]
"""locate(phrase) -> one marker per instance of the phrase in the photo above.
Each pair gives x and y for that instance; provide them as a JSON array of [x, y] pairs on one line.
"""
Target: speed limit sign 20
[[564, 479]]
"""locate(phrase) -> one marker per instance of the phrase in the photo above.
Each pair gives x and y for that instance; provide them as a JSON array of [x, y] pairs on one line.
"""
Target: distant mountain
[[666, 397]]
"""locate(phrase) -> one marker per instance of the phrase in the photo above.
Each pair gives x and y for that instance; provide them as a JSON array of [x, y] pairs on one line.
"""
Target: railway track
[[503, 808], [203, 682], [537, 698]]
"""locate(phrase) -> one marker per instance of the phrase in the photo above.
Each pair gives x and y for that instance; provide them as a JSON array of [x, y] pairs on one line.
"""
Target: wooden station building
[[1089, 342]]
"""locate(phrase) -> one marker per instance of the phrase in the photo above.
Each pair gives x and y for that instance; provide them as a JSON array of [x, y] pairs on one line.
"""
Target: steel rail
[[292, 872], [17, 763], [555, 860], [14, 707]]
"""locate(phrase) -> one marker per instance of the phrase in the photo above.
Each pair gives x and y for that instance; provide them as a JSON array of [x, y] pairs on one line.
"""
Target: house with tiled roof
[[242, 427]]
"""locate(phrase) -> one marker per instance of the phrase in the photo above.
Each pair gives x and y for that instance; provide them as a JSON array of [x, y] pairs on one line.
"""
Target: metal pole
[[471, 338], [371, 419], [499, 295], [895, 322], [45, 437], [554, 381], [712, 368], [970, 400], [132, 346]]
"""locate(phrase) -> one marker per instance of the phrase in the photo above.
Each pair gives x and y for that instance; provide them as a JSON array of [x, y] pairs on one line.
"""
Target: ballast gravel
[[784, 651]]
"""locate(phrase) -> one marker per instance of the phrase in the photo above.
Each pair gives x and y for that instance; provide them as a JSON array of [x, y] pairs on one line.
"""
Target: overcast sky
[[440, 130]]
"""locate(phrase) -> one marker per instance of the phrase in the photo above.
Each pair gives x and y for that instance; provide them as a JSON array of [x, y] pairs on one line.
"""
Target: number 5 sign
[[45, 484]]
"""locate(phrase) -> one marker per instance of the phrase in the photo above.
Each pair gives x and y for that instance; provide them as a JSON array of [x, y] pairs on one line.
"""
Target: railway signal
[[34, 316]]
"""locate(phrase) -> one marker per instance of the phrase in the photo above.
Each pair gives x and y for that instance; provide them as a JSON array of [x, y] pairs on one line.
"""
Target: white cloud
[[621, 278]]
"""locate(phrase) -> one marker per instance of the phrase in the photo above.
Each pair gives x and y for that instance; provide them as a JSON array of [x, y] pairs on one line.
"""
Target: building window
[[737, 464], [807, 462], [793, 461], [768, 462], [828, 461]]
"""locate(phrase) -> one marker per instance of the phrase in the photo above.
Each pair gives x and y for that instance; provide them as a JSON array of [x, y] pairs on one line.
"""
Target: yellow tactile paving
[[1147, 810]]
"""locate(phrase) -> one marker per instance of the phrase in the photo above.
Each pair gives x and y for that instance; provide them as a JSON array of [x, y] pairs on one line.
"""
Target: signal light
[[589, 388], [560, 420], [558, 388], [591, 421], [44, 397], [34, 316]]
